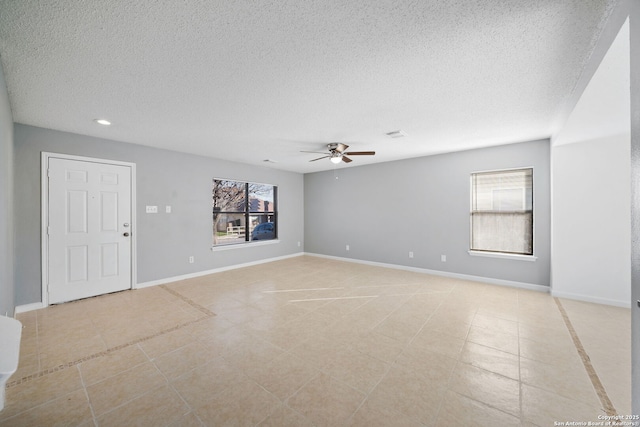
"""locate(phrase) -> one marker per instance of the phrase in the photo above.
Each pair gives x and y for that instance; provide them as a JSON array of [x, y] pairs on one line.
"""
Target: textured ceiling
[[253, 80]]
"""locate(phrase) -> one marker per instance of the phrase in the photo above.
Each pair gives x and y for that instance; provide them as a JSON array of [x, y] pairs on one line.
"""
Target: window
[[243, 212], [502, 211]]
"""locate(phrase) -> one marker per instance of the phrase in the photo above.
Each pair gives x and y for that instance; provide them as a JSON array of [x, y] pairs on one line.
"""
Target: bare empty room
[[380, 213]]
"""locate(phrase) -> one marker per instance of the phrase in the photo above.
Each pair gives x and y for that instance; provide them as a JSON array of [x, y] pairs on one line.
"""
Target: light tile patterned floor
[[311, 341]]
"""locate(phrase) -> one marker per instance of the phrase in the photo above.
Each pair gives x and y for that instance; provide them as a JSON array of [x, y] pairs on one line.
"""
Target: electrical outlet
[[298, 244], [443, 258], [191, 259], [167, 209], [410, 254], [347, 247]]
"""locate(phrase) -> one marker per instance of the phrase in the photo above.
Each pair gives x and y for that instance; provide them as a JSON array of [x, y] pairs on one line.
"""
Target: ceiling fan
[[337, 153]]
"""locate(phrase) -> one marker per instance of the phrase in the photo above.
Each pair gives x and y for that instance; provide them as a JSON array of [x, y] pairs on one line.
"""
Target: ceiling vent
[[396, 134]]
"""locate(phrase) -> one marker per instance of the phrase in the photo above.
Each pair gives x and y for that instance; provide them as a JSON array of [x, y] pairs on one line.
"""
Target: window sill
[[504, 256], [244, 245]]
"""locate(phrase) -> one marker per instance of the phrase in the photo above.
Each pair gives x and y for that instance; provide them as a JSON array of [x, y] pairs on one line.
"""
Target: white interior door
[[89, 229]]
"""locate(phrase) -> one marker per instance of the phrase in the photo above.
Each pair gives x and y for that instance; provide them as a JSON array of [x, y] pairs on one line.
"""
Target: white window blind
[[502, 211]]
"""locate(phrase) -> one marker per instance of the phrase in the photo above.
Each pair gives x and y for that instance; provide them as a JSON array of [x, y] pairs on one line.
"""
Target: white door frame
[[45, 214]]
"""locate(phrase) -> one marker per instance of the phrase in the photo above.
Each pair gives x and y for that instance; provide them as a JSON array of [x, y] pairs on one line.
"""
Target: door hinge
[[48, 230], [49, 173]]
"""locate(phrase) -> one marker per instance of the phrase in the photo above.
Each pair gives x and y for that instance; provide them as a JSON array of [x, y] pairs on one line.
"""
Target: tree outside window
[[239, 209]]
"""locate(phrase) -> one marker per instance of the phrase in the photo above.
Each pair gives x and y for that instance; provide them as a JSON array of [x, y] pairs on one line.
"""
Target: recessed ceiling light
[[102, 122], [396, 134]]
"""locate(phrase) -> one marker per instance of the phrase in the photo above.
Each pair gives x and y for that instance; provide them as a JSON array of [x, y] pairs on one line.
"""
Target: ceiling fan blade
[[317, 152], [346, 159], [324, 157], [360, 153], [341, 147]]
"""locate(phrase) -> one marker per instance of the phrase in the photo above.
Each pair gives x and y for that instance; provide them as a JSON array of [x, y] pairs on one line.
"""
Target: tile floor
[[310, 341]]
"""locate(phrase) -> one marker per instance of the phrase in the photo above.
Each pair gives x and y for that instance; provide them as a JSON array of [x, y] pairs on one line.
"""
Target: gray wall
[[634, 22], [6, 202], [164, 241], [385, 210]]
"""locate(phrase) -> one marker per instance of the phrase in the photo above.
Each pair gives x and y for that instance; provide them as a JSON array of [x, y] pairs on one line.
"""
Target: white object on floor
[[10, 333]]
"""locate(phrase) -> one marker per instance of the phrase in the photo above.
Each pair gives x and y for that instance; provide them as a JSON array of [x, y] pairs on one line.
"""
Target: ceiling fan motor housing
[[336, 147]]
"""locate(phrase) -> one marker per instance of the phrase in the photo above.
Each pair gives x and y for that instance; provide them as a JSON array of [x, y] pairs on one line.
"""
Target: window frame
[[503, 254], [247, 213]]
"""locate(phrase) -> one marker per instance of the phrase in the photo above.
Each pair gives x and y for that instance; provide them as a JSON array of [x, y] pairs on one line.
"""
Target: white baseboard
[[521, 285], [488, 280], [595, 300], [39, 305], [28, 307], [215, 270]]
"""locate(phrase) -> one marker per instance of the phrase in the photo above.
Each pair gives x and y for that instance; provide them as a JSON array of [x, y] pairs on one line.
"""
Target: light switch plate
[[152, 209]]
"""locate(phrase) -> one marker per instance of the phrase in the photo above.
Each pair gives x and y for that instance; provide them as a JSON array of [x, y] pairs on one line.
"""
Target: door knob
[[126, 234]]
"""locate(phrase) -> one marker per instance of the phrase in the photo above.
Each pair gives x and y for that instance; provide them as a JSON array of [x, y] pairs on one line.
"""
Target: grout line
[[392, 364], [97, 355], [106, 352], [127, 402], [188, 301], [586, 361], [17, 415], [269, 392], [149, 359], [169, 383], [298, 290], [333, 298], [86, 393]]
